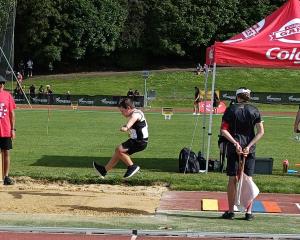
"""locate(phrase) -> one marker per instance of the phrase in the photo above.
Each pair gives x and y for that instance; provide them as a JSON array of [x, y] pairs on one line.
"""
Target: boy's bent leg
[[114, 159]]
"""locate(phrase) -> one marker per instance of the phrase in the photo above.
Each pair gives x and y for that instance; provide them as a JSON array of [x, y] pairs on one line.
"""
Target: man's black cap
[[2, 79]]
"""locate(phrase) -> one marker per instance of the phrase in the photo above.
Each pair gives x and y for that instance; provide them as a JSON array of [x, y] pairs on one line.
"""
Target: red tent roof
[[272, 42]]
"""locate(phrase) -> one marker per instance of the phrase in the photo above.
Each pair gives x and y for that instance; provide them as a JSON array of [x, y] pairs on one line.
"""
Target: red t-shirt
[[7, 105]]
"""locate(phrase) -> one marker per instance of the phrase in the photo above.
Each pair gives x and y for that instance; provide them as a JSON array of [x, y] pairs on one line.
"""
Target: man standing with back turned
[[238, 127], [7, 129]]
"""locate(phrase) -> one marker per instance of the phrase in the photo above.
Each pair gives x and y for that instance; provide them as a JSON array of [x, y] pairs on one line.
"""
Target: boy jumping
[[137, 127]]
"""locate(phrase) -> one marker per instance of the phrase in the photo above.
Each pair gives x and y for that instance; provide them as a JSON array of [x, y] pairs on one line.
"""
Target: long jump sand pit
[[34, 197]]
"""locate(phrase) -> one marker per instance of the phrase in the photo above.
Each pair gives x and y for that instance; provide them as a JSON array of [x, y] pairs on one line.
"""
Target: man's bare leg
[[231, 192], [6, 162]]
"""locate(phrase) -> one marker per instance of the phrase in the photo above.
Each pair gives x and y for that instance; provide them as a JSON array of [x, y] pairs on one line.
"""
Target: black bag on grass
[[188, 161]]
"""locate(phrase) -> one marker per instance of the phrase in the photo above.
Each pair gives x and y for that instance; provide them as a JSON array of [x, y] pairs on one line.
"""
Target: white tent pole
[[210, 115], [204, 113]]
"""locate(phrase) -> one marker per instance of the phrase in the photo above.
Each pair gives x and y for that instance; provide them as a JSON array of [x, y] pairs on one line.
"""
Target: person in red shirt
[[7, 129]]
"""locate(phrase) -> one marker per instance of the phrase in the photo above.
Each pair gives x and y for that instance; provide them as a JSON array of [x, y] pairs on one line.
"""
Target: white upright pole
[[204, 113], [145, 94], [210, 115], [145, 75]]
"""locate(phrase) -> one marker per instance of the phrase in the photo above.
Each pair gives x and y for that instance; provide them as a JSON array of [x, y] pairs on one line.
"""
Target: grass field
[[167, 223], [76, 138]]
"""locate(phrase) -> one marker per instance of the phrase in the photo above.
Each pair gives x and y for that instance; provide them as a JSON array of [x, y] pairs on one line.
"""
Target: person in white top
[[29, 65], [137, 128]]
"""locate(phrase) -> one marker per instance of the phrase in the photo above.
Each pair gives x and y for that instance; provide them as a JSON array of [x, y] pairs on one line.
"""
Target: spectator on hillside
[[29, 66], [19, 77], [205, 68], [50, 66], [49, 94], [197, 99], [18, 92], [41, 92], [48, 90], [199, 69], [68, 95], [32, 91], [130, 93], [216, 102], [21, 68]]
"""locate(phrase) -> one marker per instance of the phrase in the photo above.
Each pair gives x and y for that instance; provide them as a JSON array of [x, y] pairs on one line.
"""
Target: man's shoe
[[228, 215], [8, 181], [100, 169], [249, 216], [131, 170]]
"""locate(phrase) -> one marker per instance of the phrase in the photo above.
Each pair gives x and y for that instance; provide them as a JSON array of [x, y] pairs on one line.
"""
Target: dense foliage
[[128, 33]]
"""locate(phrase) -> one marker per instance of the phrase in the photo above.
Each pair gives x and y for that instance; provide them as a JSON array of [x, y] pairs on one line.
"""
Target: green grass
[[76, 138], [174, 88], [166, 223]]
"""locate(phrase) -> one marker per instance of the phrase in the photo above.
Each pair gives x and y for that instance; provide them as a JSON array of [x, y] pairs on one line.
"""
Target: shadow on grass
[[191, 215], [155, 164]]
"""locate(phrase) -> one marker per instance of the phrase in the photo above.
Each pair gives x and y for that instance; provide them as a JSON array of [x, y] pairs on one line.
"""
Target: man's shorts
[[5, 143], [233, 163], [134, 145]]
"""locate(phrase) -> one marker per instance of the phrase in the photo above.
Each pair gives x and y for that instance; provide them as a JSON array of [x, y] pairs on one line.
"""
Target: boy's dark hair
[[126, 103]]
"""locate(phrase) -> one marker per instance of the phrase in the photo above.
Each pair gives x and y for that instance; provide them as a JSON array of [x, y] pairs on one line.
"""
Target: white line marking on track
[[298, 205]]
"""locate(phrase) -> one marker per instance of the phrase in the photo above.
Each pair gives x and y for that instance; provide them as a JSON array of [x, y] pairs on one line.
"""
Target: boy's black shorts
[[134, 145], [5, 143], [233, 163]]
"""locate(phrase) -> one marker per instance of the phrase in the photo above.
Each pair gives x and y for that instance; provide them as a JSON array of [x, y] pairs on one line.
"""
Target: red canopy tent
[[274, 42]]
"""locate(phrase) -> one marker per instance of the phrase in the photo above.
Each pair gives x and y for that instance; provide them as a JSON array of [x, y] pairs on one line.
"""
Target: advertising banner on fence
[[82, 100], [266, 97]]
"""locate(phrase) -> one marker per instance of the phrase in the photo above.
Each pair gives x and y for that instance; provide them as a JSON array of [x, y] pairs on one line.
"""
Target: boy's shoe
[[8, 181], [249, 216], [228, 215], [100, 169], [131, 170]]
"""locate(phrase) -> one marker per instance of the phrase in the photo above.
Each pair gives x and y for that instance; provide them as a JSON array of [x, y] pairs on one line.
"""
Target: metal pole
[[145, 75], [145, 94], [210, 115], [204, 113]]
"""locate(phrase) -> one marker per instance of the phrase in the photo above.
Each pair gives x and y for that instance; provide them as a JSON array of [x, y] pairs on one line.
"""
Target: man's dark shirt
[[242, 118]]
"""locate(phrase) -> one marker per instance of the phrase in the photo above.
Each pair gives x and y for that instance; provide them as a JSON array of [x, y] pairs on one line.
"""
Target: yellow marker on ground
[[210, 205]]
